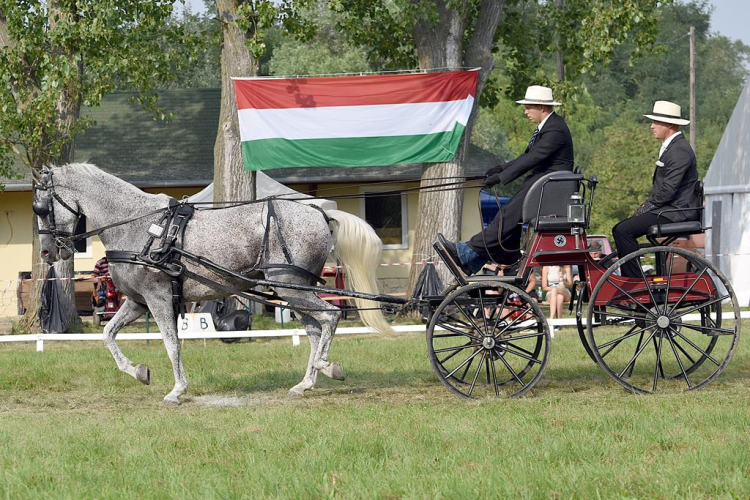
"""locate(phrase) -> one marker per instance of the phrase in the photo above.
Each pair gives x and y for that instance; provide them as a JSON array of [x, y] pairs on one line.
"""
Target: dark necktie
[[533, 137]]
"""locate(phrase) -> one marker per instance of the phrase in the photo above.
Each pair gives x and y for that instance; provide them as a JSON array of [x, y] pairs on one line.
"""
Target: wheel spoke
[[500, 317], [508, 342], [648, 287], [462, 378], [494, 375], [635, 356], [454, 319], [469, 318], [679, 362], [722, 331], [628, 334], [520, 355], [447, 335], [707, 355], [476, 374], [637, 346], [625, 316], [657, 349], [455, 330], [462, 364], [630, 297], [457, 348], [700, 306], [670, 256], [683, 351], [521, 337], [514, 321], [484, 316], [697, 278], [657, 366], [511, 370]]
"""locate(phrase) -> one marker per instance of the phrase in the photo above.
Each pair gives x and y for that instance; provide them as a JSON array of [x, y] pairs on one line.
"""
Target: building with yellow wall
[[176, 158]]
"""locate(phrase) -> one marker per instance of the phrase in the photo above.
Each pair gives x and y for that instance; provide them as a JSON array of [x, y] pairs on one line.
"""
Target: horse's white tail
[[357, 245]]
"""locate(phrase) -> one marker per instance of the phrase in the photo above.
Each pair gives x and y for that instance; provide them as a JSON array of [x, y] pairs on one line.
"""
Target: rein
[[65, 238]]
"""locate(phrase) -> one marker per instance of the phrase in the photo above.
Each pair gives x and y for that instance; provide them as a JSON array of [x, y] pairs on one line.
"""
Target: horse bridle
[[43, 207]]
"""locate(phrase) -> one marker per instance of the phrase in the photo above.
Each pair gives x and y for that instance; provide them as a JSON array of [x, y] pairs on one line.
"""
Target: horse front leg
[[165, 318], [129, 312]]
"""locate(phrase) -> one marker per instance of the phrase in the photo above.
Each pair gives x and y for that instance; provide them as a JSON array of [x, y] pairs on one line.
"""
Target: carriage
[[676, 327]]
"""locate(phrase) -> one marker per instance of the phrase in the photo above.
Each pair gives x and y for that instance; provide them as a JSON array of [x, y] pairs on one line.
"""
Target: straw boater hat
[[536, 94], [667, 112]]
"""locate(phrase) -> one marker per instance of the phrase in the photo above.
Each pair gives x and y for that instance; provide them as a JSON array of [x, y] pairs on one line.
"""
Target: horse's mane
[[97, 175]]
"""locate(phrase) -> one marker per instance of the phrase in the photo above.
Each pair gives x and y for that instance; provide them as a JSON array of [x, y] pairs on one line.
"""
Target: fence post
[[40, 343]]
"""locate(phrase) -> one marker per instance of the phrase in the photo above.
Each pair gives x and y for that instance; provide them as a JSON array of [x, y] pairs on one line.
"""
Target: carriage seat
[[545, 207], [684, 228]]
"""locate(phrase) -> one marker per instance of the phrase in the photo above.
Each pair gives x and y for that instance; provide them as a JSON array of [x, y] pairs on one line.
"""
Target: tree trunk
[[68, 110], [231, 181], [30, 321], [441, 45]]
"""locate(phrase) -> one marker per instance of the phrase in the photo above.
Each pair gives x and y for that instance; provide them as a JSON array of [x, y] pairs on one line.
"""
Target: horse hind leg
[[129, 312], [320, 325], [312, 328]]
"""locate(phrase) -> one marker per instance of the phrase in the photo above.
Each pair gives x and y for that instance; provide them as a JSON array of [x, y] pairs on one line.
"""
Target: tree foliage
[[58, 55], [326, 52]]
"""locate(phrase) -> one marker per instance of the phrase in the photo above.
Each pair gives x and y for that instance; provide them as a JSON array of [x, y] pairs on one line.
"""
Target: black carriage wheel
[[582, 298], [488, 339], [667, 329]]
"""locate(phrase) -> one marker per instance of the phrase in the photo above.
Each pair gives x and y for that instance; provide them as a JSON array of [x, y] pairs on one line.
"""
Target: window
[[83, 247], [387, 215]]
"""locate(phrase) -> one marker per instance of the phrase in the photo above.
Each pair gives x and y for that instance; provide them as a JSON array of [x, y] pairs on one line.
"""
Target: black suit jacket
[[552, 151], [676, 182]]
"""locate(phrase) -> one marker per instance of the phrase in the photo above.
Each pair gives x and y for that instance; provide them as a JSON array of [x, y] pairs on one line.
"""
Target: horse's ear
[[36, 175]]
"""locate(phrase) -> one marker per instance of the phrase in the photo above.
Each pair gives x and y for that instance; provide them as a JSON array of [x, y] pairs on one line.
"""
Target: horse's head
[[56, 218]]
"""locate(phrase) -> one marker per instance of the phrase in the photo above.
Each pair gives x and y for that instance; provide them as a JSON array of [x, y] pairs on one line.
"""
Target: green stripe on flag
[[351, 151]]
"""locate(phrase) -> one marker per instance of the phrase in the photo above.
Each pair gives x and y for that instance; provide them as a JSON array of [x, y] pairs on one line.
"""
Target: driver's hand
[[492, 180]]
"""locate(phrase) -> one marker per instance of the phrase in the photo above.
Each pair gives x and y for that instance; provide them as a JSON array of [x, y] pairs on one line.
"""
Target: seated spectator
[[557, 282], [101, 270]]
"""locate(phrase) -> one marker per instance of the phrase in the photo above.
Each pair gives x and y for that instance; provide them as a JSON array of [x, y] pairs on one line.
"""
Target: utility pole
[[692, 88], [560, 5]]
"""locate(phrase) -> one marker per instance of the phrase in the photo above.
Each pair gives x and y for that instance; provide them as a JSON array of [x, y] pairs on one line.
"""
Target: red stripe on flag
[[355, 90]]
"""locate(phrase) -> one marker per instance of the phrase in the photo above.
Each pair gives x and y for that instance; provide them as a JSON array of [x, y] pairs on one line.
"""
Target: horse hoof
[[172, 400], [334, 371], [143, 374], [296, 392]]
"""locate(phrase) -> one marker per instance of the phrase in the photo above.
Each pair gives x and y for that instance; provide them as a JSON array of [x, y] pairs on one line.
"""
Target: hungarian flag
[[353, 121]]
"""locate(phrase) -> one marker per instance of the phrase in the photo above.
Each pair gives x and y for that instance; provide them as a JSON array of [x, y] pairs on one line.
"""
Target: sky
[[730, 17]]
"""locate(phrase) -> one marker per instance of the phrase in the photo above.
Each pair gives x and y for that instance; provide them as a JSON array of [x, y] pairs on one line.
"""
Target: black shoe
[[452, 251]]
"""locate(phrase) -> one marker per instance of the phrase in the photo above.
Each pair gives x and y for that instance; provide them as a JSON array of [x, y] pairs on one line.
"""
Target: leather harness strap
[[170, 231]]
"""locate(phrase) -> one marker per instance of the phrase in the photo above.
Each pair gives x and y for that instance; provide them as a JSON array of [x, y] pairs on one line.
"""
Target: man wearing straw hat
[[550, 149], [675, 185]]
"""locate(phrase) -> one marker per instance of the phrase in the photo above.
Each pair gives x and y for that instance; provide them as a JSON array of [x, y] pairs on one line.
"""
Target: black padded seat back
[[552, 193], [683, 228]]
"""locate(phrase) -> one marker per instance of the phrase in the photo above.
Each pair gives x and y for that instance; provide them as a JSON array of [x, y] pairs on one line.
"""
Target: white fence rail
[[295, 333]]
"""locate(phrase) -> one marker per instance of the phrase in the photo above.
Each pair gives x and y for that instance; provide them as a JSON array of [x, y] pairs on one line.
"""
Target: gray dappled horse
[[231, 237]]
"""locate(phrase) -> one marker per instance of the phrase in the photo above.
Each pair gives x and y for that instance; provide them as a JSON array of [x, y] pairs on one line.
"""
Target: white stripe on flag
[[336, 122]]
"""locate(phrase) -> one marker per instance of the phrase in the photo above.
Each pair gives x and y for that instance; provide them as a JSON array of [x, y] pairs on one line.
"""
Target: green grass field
[[73, 426]]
